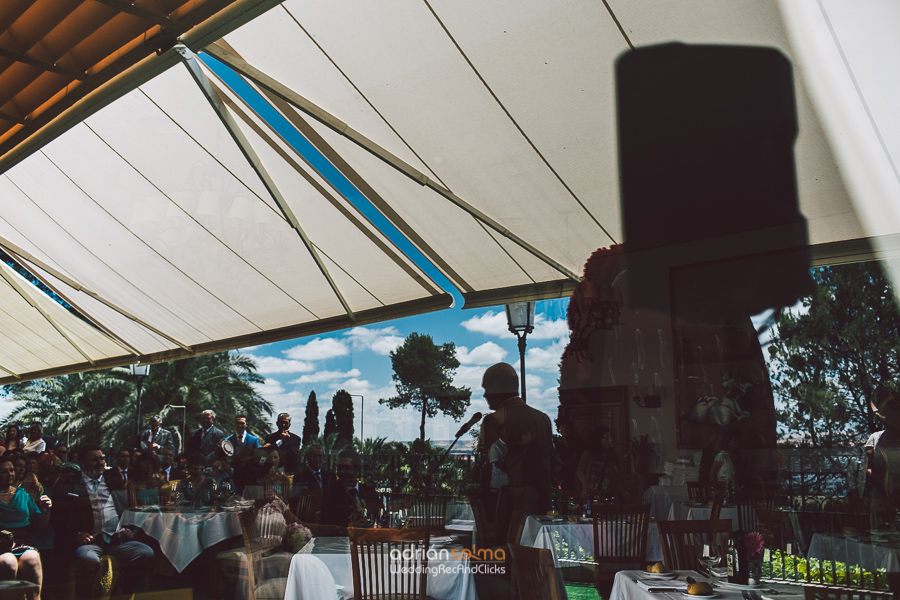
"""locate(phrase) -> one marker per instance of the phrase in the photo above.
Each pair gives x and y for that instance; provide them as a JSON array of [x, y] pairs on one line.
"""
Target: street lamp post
[[362, 414], [520, 318], [139, 372], [183, 422], [68, 427]]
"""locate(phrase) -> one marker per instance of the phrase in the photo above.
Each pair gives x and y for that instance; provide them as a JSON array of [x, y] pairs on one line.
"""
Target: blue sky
[[358, 360]]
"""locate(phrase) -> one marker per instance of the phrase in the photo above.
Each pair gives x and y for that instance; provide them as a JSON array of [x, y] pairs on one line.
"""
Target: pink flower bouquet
[[754, 543], [297, 536]]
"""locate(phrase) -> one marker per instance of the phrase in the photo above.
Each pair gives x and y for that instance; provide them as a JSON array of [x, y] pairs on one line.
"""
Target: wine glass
[[709, 557]]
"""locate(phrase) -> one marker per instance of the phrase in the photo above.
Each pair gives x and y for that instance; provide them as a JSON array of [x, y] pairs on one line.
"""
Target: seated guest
[[346, 498], [35, 441], [86, 525], [313, 476], [197, 487], [143, 485], [266, 482], [117, 475], [167, 469], [15, 438], [24, 479], [17, 513]]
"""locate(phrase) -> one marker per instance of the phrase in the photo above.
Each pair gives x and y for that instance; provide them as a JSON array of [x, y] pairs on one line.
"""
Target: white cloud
[[490, 323], [469, 377], [487, 353], [321, 376], [546, 358], [548, 329], [494, 324], [271, 364], [270, 387], [318, 349], [380, 341]]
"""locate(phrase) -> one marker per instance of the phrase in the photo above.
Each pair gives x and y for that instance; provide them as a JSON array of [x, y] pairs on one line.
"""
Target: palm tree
[[103, 403]]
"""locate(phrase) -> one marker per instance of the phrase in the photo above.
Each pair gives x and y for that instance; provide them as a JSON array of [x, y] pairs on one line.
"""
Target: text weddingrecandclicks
[[488, 561]]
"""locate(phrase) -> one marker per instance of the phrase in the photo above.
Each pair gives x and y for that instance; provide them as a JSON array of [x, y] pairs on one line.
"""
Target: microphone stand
[[443, 456]]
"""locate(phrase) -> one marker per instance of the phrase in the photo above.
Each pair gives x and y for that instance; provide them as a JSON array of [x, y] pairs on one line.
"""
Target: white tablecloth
[[182, 536], [661, 497], [574, 542], [680, 511], [311, 576], [625, 588], [870, 554]]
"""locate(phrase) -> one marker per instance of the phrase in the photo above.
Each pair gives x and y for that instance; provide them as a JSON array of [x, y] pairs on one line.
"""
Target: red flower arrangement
[[754, 543]]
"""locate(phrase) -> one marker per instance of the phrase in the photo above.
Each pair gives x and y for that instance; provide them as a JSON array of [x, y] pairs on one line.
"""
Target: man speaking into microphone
[[528, 436]]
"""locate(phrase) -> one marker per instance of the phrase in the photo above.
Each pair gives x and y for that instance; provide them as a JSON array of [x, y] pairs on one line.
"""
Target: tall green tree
[[311, 420], [342, 405], [103, 403], [423, 372], [828, 358], [330, 425]]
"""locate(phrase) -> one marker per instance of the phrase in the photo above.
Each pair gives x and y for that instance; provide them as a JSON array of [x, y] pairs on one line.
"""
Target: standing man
[[116, 476], [154, 437], [86, 523], [287, 443], [206, 438], [528, 436], [313, 476], [240, 438]]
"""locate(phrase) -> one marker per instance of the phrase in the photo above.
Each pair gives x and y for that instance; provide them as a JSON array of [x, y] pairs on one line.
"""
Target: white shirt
[[38, 445]]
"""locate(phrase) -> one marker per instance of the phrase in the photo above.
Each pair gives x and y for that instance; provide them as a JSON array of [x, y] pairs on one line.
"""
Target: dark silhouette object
[[706, 139]]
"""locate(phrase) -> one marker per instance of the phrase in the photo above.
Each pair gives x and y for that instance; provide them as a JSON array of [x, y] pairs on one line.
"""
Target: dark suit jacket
[[289, 451], [337, 505], [113, 478], [208, 447], [251, 442], [163, 438], [306, 479], [71, 511]]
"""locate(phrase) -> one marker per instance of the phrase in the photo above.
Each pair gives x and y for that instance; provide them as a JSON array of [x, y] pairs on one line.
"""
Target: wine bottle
[[731, 558]]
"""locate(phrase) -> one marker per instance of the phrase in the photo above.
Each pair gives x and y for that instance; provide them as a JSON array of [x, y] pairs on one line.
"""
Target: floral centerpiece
[[297, 537], [754, 544]]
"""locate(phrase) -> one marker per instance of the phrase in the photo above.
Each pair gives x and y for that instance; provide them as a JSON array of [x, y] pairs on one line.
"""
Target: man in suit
[[86, 525], [346, 496], [206, 438], [313, 476], [116, 476], [528, 435], [154, 437], [287, 443], [241, 439]]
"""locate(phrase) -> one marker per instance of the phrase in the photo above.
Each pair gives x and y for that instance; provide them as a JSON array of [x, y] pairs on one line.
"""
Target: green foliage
[[794, 568], [330, 427], [424, 372], [342, 405], [103, 403], [311, 420], [827, 361]]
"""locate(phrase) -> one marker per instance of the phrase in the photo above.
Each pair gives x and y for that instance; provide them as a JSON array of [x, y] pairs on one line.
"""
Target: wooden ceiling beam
[[141, 13]]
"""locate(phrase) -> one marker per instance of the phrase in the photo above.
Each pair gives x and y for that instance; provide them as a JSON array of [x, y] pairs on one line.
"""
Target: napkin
[[657, 585]]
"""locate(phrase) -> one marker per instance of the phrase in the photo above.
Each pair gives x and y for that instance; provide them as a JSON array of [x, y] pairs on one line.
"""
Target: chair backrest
[[697, 491], [263, 528], [777, 526], [376, 573], [516, 526], [428, 509], [620, 535], [536, 576], [747, 512], [718, 499], [486, 535], [682, 541], [307, 505]]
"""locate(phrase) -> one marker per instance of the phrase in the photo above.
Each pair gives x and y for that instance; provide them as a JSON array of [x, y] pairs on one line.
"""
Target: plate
[[713, 595], [739, 586], [666, 575]]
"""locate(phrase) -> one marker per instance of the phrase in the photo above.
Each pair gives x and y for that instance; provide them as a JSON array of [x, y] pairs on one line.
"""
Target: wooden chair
[[777, 524], [307, 505], [536, 576], [718, 500], [485, 530], [263, 530], [683, 540], [428, 509], [747, 508], [697, 491], [370, 554], [620, 539]]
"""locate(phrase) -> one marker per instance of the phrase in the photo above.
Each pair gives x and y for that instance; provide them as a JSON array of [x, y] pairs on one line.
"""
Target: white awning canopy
[[177, 221]]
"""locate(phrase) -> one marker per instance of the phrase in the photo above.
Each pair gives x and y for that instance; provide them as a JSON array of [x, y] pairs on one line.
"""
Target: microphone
[[468, 425]]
